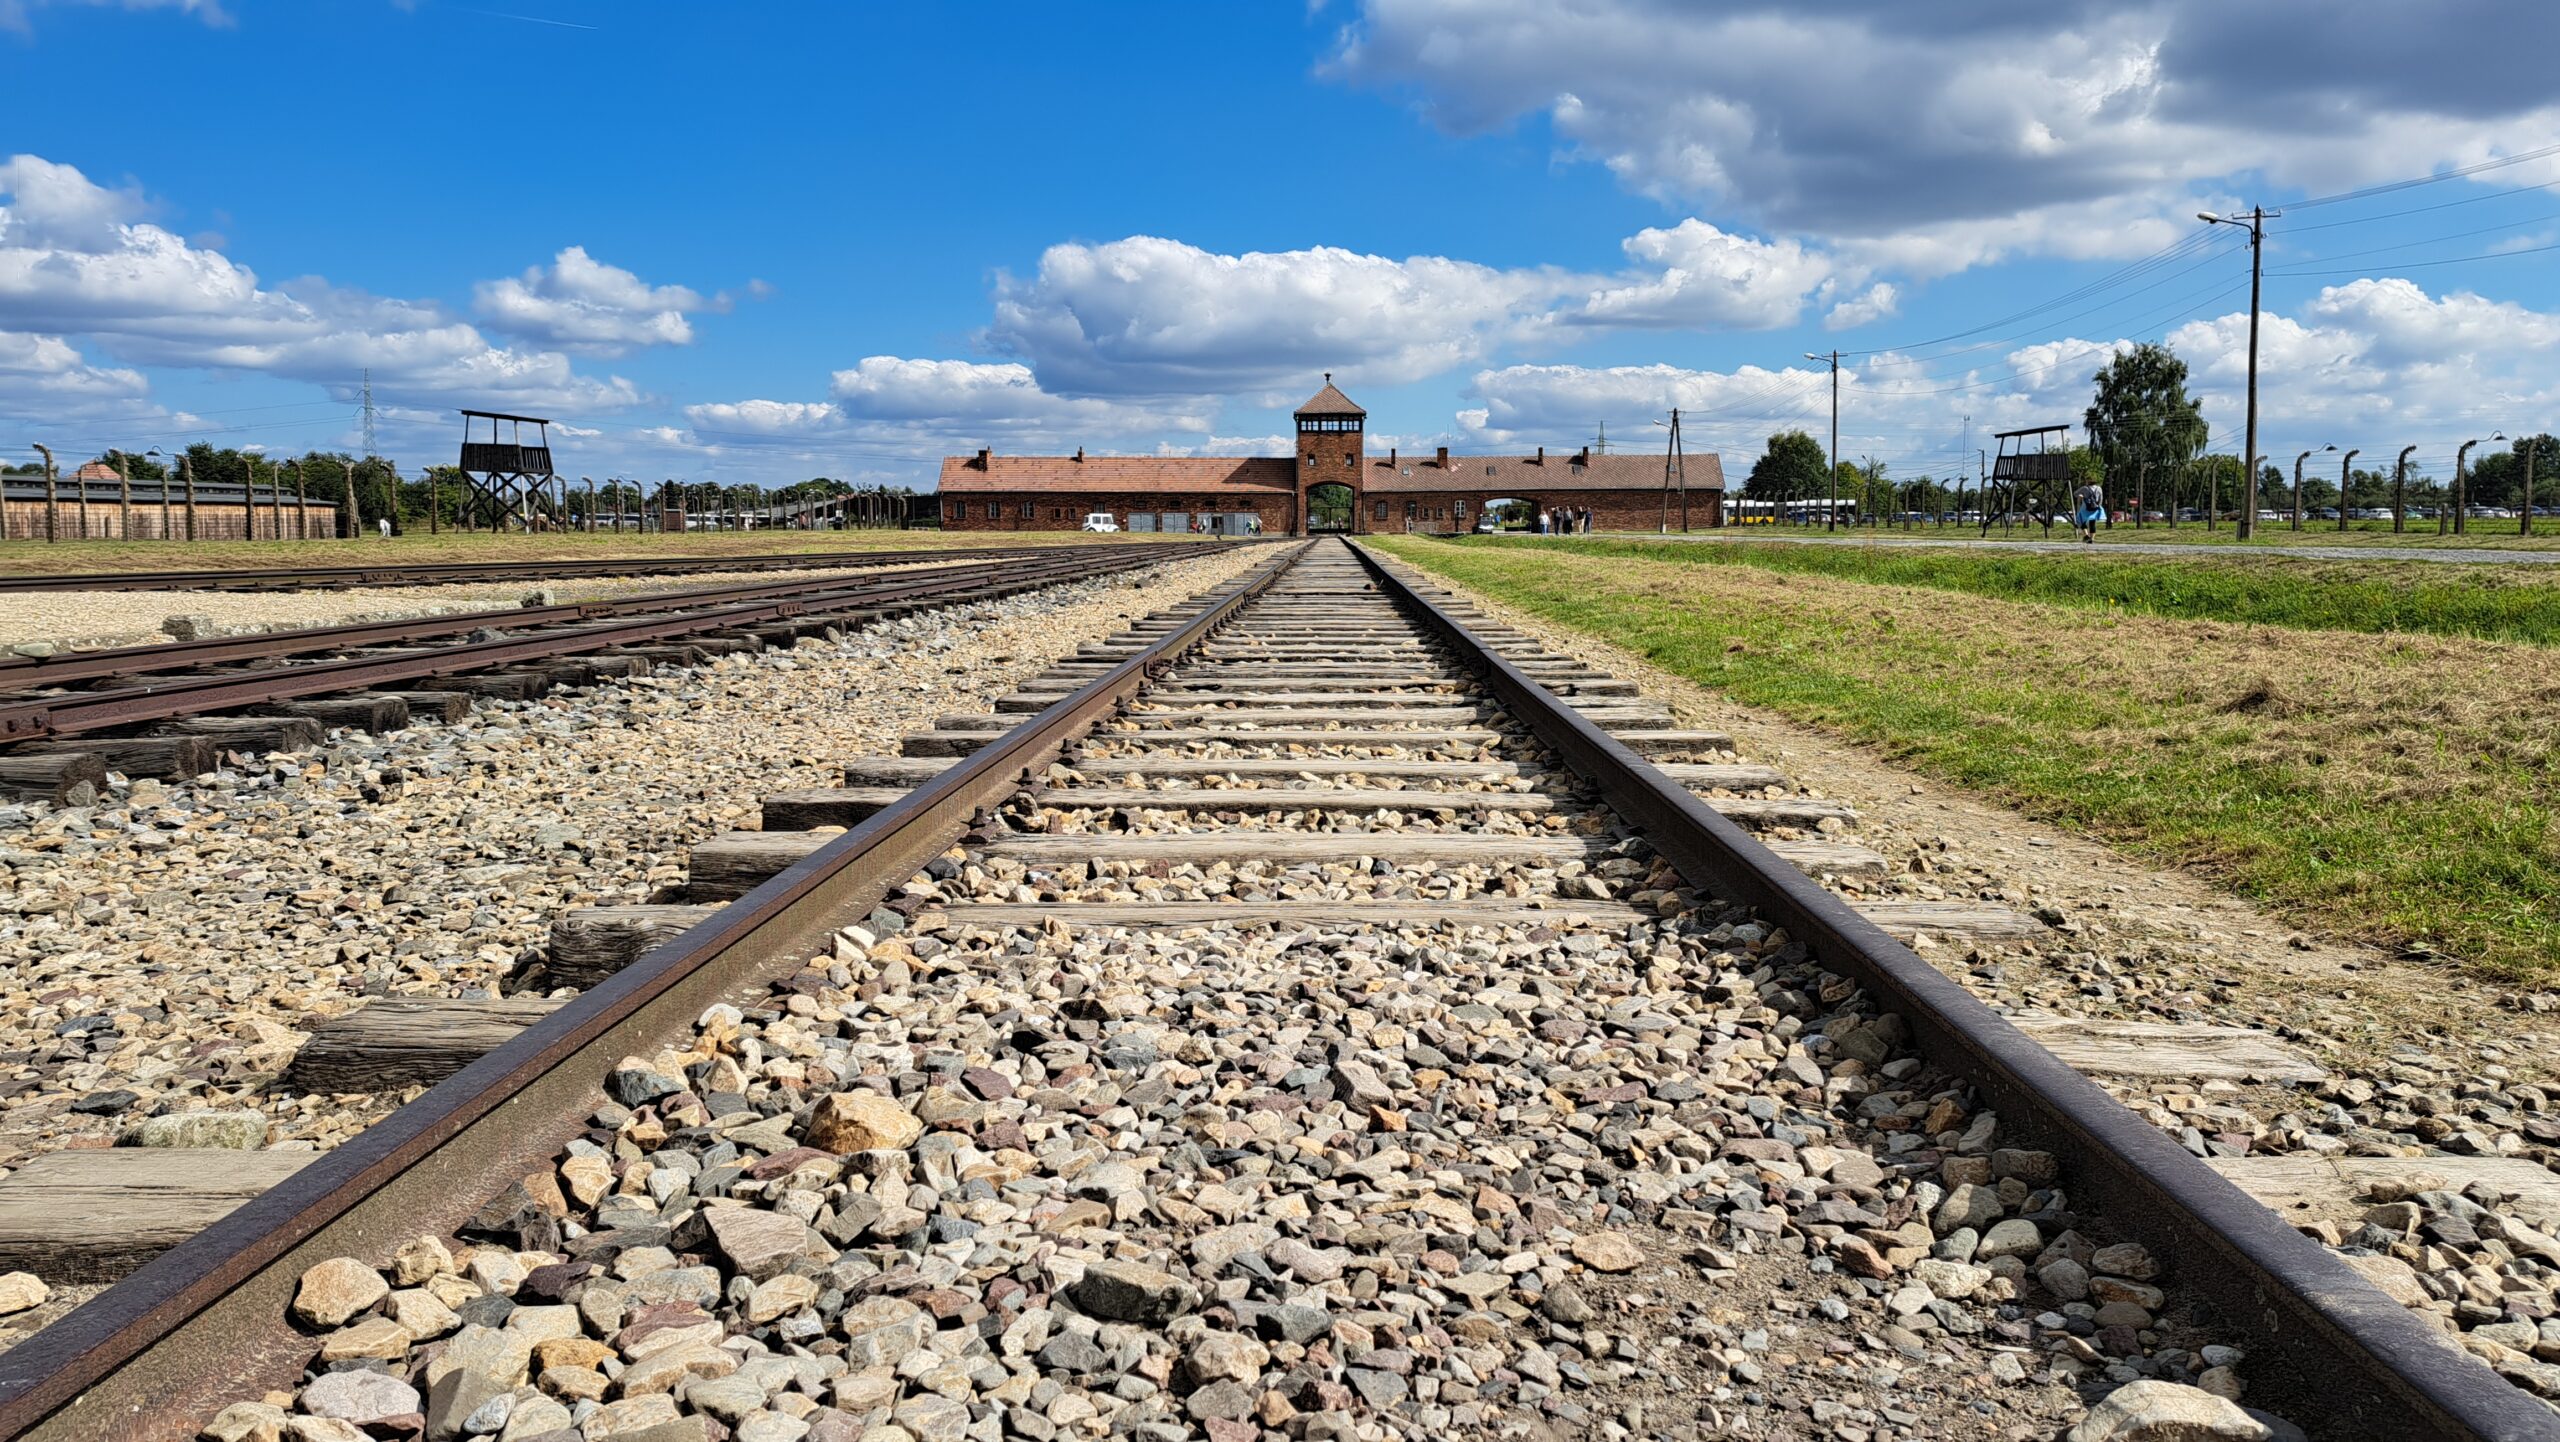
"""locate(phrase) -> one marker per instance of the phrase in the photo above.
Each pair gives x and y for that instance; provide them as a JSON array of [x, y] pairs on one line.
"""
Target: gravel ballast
[[173, 945], [41, 621], [1654, 1176]]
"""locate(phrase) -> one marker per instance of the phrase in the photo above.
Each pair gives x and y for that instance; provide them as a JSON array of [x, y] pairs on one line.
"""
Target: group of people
[[1564, 521]]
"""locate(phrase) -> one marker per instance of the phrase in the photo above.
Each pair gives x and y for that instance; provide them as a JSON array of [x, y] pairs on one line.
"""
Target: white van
[[1101, 521]]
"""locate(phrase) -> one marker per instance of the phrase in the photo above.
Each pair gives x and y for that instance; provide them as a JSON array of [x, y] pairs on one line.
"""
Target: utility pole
[[124, 497], [2400, 492], [351, 523], [1831, 518], [1675, 471], [2344, 462], [301, 503], [2257, 226], [249, 503], [370, 449], [187, 469], [52, 499]]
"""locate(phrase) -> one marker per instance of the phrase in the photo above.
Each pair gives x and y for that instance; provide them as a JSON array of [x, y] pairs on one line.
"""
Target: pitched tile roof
[[1389, 474], [1156, 475], [1329, 402]]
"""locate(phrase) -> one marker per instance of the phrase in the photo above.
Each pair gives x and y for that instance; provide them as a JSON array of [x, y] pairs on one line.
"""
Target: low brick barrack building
[[1333, 483]]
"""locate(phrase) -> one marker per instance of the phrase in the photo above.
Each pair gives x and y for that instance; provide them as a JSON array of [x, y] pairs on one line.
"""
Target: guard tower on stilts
[[2036, 481], [511, 482]]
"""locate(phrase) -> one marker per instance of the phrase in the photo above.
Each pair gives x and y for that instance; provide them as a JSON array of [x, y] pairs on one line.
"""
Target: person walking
[[2092, 502]]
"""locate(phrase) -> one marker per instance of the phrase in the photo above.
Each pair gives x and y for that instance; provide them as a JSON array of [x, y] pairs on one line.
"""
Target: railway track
[[129, 707], [1314, 1008], [454, 573]]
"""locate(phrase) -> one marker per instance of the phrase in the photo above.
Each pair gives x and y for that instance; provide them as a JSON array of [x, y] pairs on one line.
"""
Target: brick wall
[[1054, 511], [1441, 512]]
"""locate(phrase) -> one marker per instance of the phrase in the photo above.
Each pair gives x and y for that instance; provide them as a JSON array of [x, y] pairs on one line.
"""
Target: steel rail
[[206, 1322], [66, 666], [441, 573], [74, 712], [2351, 1354]]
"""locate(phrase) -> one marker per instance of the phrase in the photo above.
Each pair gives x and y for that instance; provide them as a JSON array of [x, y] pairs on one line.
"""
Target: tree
[[1792, 467], [2142, 423], [140, 468], [2496, 478]]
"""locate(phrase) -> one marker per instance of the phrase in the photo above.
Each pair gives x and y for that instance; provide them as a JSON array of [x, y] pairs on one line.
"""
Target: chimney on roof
[[1079, 455], [1542, 455], [1444, 458], [985, 455], [1583, 457], [1391, 458]]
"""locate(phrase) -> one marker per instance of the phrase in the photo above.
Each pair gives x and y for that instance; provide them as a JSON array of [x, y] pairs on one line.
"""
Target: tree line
[[2146, 441], [444, 493]]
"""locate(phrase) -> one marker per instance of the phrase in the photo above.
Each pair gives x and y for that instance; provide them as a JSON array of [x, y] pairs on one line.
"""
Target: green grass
[[2488, 601], [2399, 792], [2493, 535]]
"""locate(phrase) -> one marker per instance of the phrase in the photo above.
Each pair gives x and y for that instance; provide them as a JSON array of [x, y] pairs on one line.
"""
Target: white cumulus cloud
[[582, 304]]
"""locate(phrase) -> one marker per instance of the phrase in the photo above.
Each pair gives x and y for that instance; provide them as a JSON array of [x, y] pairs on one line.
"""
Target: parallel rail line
[[451, 573], [629, 621], [205, 1322]]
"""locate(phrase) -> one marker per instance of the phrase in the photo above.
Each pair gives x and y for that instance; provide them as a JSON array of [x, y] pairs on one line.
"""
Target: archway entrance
[[1331, 509]]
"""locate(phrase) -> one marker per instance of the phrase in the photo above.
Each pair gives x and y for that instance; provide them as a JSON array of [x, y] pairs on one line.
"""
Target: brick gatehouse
[[1333, 483]]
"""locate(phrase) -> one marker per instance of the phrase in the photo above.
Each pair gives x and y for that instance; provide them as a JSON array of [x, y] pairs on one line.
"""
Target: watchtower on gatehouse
[[1331, 455]]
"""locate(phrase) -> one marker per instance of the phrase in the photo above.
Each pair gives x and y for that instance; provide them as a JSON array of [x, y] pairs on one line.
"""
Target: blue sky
[[769, 242]]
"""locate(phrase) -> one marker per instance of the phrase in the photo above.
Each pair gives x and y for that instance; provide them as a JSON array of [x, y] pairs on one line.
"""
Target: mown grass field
[[39, 558], [2496, 602], [2485, 534], [2397, 788]]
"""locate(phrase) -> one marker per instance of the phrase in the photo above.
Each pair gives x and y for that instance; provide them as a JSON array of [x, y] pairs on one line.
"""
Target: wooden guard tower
[[511, 480], [2036, 481]]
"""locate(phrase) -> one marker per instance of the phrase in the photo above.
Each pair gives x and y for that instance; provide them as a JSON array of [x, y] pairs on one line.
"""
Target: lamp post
[[2400, 492], [1831, 517], [2297, 483], [2344, 462], [2461, 500]]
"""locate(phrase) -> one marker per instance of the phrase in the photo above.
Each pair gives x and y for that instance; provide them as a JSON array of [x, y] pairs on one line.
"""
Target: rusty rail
[[2352, 1354], [72, 713], [194, 1327], [447, 573]]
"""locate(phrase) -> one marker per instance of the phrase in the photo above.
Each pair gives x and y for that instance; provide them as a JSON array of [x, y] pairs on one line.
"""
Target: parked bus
[[1797, 513]]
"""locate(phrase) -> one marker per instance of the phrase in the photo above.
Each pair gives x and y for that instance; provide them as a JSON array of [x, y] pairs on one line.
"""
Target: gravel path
[[1659, 1178], [88, 620]]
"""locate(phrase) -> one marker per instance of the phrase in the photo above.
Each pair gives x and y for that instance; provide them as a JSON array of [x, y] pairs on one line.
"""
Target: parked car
[[1101, 521]]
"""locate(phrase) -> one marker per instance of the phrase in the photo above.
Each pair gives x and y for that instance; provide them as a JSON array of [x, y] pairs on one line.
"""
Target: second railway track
[[1322, 1011], [67, 719]]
